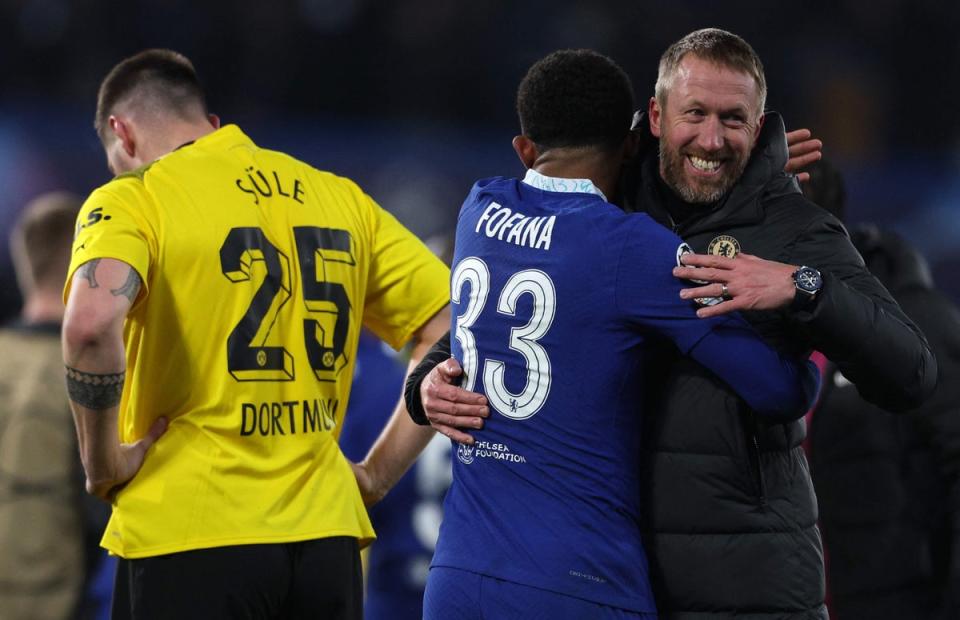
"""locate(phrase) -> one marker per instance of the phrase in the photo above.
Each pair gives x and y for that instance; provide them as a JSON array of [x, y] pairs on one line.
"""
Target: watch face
[[809, 279]]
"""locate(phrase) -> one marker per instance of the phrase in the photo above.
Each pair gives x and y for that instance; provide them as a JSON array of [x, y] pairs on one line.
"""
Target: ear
[[124, 133], [214, 120], [756, 132], [526, 150], [654, 113]]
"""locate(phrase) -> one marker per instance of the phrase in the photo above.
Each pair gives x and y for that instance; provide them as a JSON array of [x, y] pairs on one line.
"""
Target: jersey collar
[[229, 135], [556, 184]]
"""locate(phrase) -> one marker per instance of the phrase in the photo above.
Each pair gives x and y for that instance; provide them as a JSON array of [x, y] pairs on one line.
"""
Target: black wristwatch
[[808, 283]]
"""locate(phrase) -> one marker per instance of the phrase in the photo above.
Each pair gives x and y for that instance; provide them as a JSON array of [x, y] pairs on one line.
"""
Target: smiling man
[[702, 154], [730, 510], [730, 513]]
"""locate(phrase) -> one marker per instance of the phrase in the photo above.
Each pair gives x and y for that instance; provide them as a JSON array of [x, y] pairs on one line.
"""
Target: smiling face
[[707, 128]]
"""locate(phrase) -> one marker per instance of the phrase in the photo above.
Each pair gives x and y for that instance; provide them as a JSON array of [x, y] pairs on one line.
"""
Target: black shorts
[[319, 578]]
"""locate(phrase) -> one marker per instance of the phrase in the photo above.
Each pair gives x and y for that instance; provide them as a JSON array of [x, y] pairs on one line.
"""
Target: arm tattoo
[[88, 271], [94, 391], [130, 288]]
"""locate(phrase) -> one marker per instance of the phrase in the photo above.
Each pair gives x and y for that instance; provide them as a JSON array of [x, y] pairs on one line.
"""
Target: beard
[[700, 190]]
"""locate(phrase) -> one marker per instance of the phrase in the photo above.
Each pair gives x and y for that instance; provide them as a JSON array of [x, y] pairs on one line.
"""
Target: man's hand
[[752, 283], [449, 407], [368, 492], [804, 150], [105, 481]]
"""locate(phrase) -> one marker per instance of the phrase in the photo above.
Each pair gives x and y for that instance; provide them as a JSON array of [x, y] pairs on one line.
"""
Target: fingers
[[807, 146], [797, 135], [456, 421], [803, 151], [725, 307], [137, 451], [101, 491], [158, 428], [800, 161], [437, 392], [707, 275], [455, 410], [711, 290], [131, 458], [364, 482], [448, 369], [451, 398], [706, 260], [453, 433]]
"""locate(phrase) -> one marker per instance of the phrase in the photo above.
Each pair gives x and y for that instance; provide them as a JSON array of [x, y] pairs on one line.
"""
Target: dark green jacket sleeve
[[856, 323]]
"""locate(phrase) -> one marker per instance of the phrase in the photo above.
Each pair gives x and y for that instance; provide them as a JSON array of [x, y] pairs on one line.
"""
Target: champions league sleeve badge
[[682, 249], [724, 245]]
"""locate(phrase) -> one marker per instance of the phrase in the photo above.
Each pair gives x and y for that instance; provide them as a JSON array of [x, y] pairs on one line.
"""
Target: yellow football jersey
[[258, 272]]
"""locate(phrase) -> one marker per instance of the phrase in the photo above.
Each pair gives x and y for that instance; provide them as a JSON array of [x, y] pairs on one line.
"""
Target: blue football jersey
[[556, 294]]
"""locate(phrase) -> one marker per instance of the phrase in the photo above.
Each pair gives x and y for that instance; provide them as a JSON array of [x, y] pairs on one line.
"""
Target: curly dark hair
[[575, 98]]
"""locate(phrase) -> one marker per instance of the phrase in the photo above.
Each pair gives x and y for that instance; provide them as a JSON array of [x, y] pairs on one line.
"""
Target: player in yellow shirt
[[214, 303]]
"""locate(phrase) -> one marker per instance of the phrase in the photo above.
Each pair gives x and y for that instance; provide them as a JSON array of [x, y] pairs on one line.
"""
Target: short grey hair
[[717, 46]]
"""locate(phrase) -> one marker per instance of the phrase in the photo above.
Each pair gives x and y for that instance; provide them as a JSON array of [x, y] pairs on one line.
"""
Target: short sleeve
[[111, 224], [407, 283], [647, 292]]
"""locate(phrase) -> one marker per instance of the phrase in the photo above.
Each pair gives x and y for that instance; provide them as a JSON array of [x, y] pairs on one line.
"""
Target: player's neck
[[172, 136], [601, 169]]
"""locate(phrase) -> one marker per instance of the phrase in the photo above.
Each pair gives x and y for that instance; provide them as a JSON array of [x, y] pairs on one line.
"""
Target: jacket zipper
[[761, 483]]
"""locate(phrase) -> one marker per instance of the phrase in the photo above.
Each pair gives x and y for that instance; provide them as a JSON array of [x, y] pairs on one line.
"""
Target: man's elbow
[[915, 392], [84, 329]]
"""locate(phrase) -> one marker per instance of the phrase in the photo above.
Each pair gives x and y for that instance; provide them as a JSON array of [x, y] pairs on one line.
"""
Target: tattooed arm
[[101, 294]]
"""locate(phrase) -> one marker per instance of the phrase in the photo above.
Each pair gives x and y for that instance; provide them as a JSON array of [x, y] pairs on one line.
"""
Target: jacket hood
[[762, 179], [896, 263]]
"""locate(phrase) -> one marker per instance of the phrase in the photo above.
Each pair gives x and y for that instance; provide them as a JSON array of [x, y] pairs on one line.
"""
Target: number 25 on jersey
[[249, 358]]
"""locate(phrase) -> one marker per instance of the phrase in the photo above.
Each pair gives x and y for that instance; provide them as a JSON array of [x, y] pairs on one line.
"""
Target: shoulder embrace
[[657, 243]]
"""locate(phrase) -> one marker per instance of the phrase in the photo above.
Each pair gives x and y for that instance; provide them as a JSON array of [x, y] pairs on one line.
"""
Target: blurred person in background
[[215, 297], [47, 525], [730, 513], [888, 483], [407, 520]]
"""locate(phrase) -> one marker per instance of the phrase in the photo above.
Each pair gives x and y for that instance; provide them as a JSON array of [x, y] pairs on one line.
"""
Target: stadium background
[[414, 98]]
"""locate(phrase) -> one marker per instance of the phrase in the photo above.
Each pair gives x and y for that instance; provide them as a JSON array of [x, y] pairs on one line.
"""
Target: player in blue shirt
[[557, 294]]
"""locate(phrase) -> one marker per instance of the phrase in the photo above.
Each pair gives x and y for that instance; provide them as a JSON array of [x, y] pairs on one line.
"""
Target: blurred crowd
[[358, 87]]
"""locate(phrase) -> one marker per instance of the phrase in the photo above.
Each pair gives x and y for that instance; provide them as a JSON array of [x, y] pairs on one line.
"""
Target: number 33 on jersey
[[530, 399]]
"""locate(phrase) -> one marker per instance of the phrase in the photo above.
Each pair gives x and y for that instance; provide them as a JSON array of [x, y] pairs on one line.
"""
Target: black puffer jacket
[[730, 509], [888, 483]]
